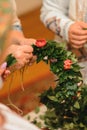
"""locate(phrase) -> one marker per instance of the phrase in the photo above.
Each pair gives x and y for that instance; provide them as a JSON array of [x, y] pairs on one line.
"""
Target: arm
[[17, 41], [54, 14], [16, 35]]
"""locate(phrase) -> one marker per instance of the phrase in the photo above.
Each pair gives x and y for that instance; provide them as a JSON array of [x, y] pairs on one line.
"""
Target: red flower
[[40, 42], [67, 64]]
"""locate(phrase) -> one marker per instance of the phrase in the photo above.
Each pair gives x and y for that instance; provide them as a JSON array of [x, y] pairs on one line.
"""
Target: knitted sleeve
[[54, 15]]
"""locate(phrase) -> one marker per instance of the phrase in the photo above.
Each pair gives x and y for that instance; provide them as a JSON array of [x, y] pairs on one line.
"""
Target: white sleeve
[[56, 11], [12, 121]]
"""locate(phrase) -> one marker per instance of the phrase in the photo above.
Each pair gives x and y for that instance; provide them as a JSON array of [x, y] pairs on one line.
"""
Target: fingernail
[[3, 66]]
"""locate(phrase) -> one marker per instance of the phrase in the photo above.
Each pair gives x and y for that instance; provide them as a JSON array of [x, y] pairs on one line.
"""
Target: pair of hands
[[78, 34]]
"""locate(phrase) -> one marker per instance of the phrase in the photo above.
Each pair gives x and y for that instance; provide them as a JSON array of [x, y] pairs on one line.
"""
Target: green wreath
[[67, 102]]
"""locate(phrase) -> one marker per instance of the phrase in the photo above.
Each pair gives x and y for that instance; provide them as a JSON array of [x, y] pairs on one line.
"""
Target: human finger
[[79, 38], [24, 59], [26, 48], [77, 47], [78, 43], [27, 55], [27, 41], [32, 60], [79, 32], [30, 41], [6, 73], [20, 54]]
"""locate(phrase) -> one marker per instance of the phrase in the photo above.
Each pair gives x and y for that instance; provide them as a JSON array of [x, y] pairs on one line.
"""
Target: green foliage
[[67, 103], [10, 60]]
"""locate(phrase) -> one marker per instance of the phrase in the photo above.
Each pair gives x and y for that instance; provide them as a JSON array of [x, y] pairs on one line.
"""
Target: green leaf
[[76, 105], [10, 60], [37, 110], [53, 98]]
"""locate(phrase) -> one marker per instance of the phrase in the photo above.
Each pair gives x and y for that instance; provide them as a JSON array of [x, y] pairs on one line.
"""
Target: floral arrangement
[[67, 102]]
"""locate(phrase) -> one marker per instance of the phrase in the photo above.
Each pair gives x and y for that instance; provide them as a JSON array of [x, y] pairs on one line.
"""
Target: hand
[[22, 53], [77, 34], [26, 41], [17, 37], [17, 46]]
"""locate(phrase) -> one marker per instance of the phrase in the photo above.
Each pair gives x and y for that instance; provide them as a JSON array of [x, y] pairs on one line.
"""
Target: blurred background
[[35, 78], [29, 13], [27, 5]]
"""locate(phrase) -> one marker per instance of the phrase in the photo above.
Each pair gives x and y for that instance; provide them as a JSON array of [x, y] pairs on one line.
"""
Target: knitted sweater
[[58, 15]]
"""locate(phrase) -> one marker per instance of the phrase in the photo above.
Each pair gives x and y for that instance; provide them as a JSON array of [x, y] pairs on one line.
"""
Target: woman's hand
[[28, 41], [21, 48], [78, 34], [22, 53]]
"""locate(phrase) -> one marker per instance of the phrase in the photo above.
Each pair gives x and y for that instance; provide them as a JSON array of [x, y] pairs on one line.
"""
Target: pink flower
[[40, 42], [67, 64]]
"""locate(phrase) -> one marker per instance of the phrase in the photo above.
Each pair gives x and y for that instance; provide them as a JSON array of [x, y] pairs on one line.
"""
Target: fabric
[[79, 12], [56, 10], [58, 15], [11, 121]]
